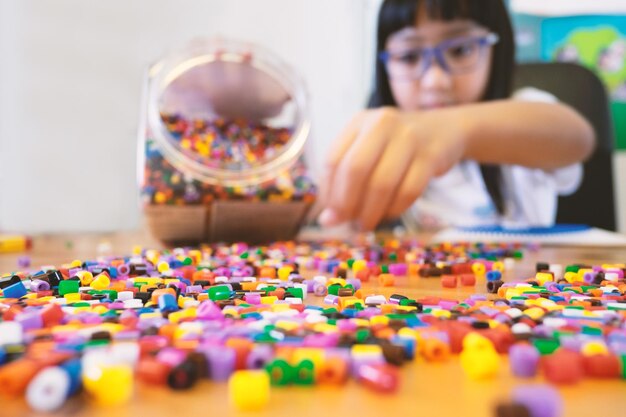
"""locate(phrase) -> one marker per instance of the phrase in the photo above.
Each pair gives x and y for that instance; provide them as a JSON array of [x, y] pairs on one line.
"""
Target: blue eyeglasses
[[455, 56]]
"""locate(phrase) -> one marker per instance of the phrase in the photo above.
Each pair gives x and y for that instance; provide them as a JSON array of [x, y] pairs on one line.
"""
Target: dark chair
[[594, 202]]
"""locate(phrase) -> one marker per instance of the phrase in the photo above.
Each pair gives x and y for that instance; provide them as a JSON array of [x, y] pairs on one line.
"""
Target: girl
[[445, 130]]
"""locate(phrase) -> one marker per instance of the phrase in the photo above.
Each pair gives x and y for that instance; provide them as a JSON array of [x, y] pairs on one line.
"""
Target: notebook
[[558, 235]]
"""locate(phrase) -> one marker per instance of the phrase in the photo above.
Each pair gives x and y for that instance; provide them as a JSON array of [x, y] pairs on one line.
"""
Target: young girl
[[446, 143]]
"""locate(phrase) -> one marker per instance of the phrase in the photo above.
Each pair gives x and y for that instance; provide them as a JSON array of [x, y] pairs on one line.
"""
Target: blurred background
[[72, 71]]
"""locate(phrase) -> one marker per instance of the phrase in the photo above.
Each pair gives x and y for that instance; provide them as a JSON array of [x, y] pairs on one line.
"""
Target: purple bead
[[171, 356], [540, 400], [222, 271], [447, 305], [259, 356], [208, 310], [221, 362], [123, 270], [30, 320], [321, 340], [524, 359], [193, 289], [398, 269], [346, 325], [320, 290], [310, 285], [39, 285], [252, 298], [331, 299], [356, 283], [23, 261]]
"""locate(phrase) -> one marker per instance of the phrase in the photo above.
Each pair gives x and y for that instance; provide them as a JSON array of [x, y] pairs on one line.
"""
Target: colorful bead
[[249, 390]]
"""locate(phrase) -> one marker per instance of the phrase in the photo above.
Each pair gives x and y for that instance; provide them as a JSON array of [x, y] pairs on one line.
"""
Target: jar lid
[[227, 112]]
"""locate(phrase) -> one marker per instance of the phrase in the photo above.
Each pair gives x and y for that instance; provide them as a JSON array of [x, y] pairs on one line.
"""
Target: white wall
[[70, 80]]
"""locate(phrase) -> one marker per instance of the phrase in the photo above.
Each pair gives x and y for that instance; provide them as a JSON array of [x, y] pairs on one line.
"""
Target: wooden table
[[426, 389]]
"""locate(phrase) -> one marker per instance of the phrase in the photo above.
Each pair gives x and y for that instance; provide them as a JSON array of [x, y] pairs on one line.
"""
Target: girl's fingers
[[352, 175], [385, 182], [412, 186]]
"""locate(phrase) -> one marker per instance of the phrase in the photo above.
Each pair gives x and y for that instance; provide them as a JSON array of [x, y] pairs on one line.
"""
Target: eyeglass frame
[[436, 53]]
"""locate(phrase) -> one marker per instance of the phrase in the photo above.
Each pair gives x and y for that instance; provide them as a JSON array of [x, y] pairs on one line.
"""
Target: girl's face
[[419, 86]]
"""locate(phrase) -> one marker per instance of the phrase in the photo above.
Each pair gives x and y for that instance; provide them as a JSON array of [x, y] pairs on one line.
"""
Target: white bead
[[133, 303], [49, 389], [557, 270], [11, 333], [611, 276], [249, 279], [513, 312], [375, 299], [520, 328], [320, 279], [303, 287], [125, 352], [509, 264], [125, 295], [221, 279]]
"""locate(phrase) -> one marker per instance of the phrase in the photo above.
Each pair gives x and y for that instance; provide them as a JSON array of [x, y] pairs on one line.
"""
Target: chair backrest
[[594, 202]]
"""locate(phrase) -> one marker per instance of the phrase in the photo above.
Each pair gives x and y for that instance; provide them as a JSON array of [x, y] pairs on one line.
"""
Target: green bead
[[546, 346], [406, 301], [393, 256], [219, 292], [281, 373], [329, 310], [305, 373], [361, 335], [384, 269], [572, 268], [334, 289], [296, 292], [591, 331], [68, 286], [187, 261], [350, 262], [111, 294], [80, 304], [518, 254], [244, 255], [623, 366]]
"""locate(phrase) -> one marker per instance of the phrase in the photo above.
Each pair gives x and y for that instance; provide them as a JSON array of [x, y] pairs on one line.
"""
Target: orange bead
[[386, 280], [333, 371], [15, 376], [435, 350]]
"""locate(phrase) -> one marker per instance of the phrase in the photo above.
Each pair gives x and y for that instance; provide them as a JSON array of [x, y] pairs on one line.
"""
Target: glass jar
[[223, 130]]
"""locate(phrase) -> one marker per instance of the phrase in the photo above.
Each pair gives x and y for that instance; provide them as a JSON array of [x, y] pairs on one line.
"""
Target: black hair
[[396, 15]]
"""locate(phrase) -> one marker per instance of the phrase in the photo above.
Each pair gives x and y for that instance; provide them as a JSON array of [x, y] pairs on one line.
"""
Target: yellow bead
[[283, 272], [137, 250], [594, 348], [109, 385], [498, 266], [479, 358], [72, 297], [85, 277], [384, 320], [249, 390], [373, 350], [315, 355], [163, 266], [534, 313], [270, 299], [543, 277], [77, 263], [359, 265], [101, 282], [478, 268]]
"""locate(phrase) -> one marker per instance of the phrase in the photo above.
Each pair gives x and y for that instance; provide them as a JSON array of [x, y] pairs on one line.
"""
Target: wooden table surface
[[426, 389]]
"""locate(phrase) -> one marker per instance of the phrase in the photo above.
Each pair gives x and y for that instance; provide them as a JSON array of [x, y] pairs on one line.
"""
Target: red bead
[[602, 366], [52, 315], [363, 275], [448, 281], [563, 367], [380, 377], [152, 371], [468, 280]]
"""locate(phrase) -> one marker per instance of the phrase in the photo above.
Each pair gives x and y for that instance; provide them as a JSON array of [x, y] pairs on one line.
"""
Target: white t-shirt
[[460, 197]]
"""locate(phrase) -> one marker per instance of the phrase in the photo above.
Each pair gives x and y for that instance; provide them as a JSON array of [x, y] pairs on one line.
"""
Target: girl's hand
[[383, 161]]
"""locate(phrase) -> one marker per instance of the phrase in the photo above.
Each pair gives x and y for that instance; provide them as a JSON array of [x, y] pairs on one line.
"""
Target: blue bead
[[3, 356], [167, 302], [113, 272], [494, 275], [16, 290], [73, 369]]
